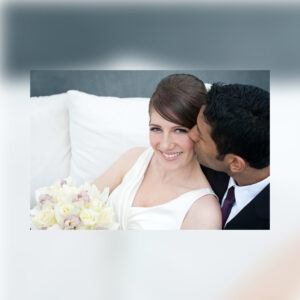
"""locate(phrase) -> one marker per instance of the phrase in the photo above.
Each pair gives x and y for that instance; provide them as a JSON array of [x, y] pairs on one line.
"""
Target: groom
[[232, 137]]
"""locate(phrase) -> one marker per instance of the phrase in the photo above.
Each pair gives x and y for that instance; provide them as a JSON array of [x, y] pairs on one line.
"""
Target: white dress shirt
[[244, 195]]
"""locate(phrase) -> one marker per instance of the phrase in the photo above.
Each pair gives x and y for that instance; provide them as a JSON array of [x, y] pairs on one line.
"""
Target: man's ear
[[235, 163]]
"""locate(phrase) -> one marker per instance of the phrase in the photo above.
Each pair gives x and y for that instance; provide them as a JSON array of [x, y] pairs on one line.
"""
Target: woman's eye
[[181, 130], [155, 129]]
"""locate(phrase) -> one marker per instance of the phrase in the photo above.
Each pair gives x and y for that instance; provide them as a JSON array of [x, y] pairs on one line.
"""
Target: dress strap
[[133, 179], [189, 199], [196, 194]]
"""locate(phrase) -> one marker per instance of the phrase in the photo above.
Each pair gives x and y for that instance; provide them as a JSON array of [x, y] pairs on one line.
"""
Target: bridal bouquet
[[65, 206]]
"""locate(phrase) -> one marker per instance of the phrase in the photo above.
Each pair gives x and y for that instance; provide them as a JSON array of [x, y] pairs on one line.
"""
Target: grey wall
[[201, 35], [130, 83]]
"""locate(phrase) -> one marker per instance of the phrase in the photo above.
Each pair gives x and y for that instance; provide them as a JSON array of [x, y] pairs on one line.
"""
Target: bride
[[163, 187]]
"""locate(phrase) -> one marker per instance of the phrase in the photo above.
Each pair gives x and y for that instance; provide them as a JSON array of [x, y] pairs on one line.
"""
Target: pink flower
[[84, 196], [44, 197], [71, 222], [63, 182], [101, 228]]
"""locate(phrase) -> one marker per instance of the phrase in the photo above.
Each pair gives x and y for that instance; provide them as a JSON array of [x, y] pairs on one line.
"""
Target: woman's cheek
[[154, 139], [187, 143]]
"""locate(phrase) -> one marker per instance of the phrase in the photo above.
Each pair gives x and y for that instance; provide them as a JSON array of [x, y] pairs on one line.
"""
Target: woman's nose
[[194, 135], [166, 142]]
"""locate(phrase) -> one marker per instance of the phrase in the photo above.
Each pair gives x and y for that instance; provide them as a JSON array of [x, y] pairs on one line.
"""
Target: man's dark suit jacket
[[255, 215]]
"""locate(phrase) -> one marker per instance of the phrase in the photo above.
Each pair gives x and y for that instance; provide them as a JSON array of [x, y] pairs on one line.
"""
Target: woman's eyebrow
[[179, 126], [176, 126]]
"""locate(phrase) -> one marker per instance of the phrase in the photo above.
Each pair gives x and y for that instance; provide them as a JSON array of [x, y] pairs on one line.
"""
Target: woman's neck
[[177, 175]]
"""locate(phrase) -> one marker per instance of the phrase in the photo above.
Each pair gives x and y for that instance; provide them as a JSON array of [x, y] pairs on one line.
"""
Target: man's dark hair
[[178, 98], [239, 116]]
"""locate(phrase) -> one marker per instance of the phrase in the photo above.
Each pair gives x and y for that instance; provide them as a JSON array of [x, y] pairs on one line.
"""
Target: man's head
[[232, 130]]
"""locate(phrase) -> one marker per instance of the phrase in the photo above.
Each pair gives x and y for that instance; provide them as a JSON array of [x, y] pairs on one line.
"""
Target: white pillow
[[208, 86], [50, 140], [101, 129]]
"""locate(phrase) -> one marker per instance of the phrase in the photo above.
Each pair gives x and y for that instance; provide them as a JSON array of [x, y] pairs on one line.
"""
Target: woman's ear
[[235, 163]]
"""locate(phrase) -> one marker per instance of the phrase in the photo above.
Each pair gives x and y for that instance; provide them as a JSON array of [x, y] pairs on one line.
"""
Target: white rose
[[106, 218], [44, 218], [79, 204], [94, 193], [89, 217], [64, 194], [96, 205], [64, 209]]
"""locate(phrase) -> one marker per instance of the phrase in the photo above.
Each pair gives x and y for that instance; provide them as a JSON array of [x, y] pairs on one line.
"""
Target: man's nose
[[193, 134]]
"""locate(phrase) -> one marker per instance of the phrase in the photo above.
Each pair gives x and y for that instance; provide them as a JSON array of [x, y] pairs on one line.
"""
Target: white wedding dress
[[167, 216]]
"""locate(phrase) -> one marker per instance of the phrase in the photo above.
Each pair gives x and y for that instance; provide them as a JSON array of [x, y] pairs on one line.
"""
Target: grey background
[[130, 83], [196, 36]]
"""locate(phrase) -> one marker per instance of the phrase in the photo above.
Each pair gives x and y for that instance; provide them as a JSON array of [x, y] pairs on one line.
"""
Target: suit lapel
[[255, 215]]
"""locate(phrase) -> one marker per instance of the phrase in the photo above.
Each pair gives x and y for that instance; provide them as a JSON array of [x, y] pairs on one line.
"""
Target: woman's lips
[[170, 155]]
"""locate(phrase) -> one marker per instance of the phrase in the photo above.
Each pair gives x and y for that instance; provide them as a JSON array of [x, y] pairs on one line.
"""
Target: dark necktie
[[227, 205]]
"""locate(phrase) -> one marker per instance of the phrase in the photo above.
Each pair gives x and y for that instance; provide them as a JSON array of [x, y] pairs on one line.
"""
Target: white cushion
[[50, 140], [208, 86], [101, 129]]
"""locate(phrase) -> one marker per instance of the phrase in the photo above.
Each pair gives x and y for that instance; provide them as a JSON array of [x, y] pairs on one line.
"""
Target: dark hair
[[239, 116], [178, 99]]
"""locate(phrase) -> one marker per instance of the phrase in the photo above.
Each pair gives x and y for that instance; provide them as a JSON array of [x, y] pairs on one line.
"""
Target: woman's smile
[[169, 156]]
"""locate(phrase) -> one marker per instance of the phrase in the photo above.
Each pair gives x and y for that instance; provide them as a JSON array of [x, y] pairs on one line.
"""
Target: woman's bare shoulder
[[113, 176], [205, 213], [130, 156], [136, 151]]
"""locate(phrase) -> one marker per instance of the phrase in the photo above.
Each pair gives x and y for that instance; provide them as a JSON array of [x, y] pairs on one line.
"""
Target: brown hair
[[178, 99]]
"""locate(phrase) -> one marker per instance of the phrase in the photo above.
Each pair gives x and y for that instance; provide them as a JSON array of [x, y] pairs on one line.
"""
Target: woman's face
[[170, 142]]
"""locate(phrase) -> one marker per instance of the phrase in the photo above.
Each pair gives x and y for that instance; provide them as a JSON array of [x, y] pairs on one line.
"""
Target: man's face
[[205, 147]]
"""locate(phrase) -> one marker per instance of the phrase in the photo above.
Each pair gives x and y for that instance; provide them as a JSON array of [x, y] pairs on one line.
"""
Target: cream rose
[[44, 218], [64, 209], [106, 219], [89, 217]]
